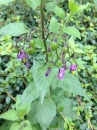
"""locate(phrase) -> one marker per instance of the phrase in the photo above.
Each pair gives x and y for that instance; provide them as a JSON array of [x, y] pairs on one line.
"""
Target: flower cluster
[[62, 71], [24, 57], [61, 59]]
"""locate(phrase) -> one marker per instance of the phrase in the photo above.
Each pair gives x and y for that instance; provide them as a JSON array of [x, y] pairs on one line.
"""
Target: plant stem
[[42, 26], [11, 96], [67, 19]]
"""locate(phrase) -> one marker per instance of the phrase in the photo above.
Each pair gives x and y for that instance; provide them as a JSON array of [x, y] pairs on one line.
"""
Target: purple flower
[[61, 74], [73, 67], [22, 55], [48, 72]]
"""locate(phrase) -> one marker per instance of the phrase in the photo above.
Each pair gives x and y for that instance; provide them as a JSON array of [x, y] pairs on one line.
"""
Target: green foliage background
[[13, 75]]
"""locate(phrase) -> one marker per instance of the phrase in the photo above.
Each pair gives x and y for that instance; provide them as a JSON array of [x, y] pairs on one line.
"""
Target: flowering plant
[[48, 57]]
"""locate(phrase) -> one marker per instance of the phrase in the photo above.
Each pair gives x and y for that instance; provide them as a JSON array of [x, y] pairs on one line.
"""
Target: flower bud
[[73, 67]]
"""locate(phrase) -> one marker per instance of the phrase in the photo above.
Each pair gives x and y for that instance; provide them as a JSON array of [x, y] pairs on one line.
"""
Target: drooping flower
[[61, 74], [73, 67], [24, 57], [48, 72]]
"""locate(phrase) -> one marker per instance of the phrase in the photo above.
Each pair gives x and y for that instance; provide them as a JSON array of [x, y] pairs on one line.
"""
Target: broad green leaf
[[11, 115], [46, 113], [50, 6], [25, 125], [59, 12], [72, 31], [14, 29], [22, 109], [30, 94], [73, 6], [32, 116], [42, 82], [5, 2], [6, 125], [71, 84], [66, 103], [33, 3], [54, 26]]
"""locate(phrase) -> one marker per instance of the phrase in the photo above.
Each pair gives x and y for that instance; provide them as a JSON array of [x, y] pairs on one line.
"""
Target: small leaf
[[11, 115], [30, 94], [14, 29], [78, 50], [46, 113], [73, 6], [72, 31], [33, 3], [59, 12], [54, 26], [5, 2]]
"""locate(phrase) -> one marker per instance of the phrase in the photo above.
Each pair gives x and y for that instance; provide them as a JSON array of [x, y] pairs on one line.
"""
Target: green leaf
[[71, 84], [72, 31], [67, 111], [54, 26], [95, 2], [46, 113], [73, 6], [32, 116], [33, 3], [78, 50], [39, 43], [5, 2], [15, 126], [30, 94], [22, 109], [14, 29], [11, 115], [50, 6], [25, 125], [82, 7], [59, 12], [6, 125], [42, 82]]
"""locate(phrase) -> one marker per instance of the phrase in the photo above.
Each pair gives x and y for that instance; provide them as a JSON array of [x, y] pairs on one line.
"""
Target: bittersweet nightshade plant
[[40, 102]]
